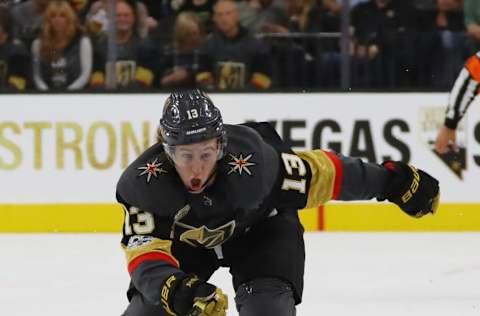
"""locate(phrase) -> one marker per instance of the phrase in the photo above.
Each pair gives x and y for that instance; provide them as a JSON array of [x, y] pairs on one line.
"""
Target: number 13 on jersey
[[294, 166]]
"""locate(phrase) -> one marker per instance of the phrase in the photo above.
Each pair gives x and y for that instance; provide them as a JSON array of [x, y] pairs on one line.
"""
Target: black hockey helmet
[[191, 117]]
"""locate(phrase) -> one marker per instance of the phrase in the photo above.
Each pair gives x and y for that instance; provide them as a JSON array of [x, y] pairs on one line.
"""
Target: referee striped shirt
[[464, 91]]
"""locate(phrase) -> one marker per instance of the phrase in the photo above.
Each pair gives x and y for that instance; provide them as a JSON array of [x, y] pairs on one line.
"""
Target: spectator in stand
[[307, 61], [80, 7], [330, 11], [441, 43], [14, 60], [268, 18], [472, 23], [62, 54], [28, 18], [383, 54], [203, 8], [97, 20], [262, 16], [325, 17], [232, 58], [180, 62], [162, 21], [159, 9], [298, 12], [135, 55]]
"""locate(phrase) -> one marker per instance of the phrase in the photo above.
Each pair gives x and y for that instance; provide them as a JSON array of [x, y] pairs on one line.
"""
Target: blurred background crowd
[[227, 45]]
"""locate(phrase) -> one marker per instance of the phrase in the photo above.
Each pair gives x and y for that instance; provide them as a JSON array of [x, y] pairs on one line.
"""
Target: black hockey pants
[[265, 297]]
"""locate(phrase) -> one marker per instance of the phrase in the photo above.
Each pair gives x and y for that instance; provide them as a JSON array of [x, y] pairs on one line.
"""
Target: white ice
[[361, 274]]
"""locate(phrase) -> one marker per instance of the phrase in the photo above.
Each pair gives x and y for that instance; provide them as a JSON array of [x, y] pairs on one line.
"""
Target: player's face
[[195, 163]]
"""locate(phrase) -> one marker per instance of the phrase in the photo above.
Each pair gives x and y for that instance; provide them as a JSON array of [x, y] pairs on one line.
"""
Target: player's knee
[[265, 297]]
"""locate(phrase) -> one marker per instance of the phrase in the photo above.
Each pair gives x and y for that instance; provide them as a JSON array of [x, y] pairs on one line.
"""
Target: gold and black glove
[[413, 190], [187, 295]]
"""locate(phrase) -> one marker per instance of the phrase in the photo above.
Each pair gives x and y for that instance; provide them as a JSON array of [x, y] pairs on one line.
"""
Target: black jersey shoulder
[[281, 198], [249, 168], [247, 173], [152, 184]]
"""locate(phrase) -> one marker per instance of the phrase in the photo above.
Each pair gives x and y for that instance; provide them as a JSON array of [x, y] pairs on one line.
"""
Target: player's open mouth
[[195, 184]]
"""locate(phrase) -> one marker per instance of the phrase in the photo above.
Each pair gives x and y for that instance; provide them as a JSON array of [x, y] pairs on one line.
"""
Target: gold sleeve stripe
[[97, 79], [157, 249], [204, 77], [18, 82], [144, 76], [322, 184], [261, 81]]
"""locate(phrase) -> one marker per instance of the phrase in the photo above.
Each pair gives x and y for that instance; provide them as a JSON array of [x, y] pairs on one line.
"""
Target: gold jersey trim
[[150, 246], [323, 177], [154, 245]]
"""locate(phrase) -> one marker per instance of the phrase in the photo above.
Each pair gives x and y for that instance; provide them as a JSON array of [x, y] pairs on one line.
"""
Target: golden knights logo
[[239, 164], [231, 75], [207, 238], [125, 72], [152, 169], [431, 120], [201, 236]]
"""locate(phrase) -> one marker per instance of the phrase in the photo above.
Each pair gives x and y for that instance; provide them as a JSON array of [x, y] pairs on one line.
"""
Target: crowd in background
[[67, 45]]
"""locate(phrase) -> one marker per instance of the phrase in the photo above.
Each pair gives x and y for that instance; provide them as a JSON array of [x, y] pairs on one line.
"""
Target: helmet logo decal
[[152, 169], [240, 164], [195, 131]]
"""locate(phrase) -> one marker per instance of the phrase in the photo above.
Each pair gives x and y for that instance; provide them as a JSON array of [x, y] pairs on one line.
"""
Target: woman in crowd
[[62, 54], [180, 61]]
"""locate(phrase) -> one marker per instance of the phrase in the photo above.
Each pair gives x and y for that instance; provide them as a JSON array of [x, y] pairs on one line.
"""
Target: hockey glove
[[413, 190], [189, 296]]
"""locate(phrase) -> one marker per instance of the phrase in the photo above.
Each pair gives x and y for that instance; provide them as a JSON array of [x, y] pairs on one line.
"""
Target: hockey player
[[464, 91], [209, 195]]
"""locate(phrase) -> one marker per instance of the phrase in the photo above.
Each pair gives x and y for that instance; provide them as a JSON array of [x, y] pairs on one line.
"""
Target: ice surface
[[374, 274]]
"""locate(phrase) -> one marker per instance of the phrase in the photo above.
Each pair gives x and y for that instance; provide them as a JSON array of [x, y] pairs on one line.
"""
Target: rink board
[[59, 166], [331, 217]]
